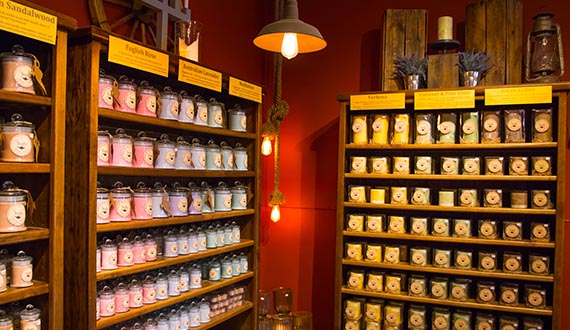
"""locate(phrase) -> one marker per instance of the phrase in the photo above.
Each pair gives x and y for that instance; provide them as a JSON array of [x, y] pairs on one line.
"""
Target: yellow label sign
[[28, 22], [518, 95], [454, 99], [245, 90], [378, 101], [137, 57], [200, 76]]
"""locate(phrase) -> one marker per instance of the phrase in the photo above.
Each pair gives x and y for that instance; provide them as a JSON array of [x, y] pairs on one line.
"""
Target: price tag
[[453, 99], [518, 95], [27, 22], [245, 90], [378, 101], [137, 57], [200, 76]]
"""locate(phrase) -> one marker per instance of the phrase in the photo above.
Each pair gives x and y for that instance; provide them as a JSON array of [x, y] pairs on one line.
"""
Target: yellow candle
[[401, 129], [359, 130], [445, 28], [380, 129], [377, 196]]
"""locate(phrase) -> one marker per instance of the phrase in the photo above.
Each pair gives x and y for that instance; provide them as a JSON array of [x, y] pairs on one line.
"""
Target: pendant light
[[290, 35]]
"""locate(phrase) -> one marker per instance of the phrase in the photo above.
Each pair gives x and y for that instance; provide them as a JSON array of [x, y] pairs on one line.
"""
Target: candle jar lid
[[145, 88], [165, 142], [181, 143], [160, 277], [225, 147], [204, 304], [5, 319], [200, 101], [161, 319], [185, 96], [17, 55], [106, 293], [149, 281], [121, 289], [127, 83], [182, 234], [170, 236], [158, 189], [237, 110], [105, 78], [173, 275], [103, 133], [178, 190], [168, 93], [212, 146], [144, 140], [150, 324], [194, 307], [239, 148], [142, 190], [138, 242], [239, 187], [193, 187], [119, 191], [21, 259], [222, 188], [196, 145], [125, 244], [135, 285], [11, 193], [108, 245], [121, 136], [17, 124]]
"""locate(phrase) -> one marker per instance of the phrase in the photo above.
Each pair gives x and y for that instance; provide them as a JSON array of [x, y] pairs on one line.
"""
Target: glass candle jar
[[173, 284], [183, 245], [213, 156], [149, 290], [22, 271], [236, 266], [228, 235], [150, 324], [220, 236], [184, 317], [135, 294], [166, 153], [222, 198], [211, 237], [236, 232], [17, 70], [240, 158], [283, 299], [127, 95], [187, 108], [201, 111], [178, 199], [170, 245], [204, 311], [194, 312], [174, 320], [198, 155], [161, 287], [122, 146], [227, 271], [183, 159], [195, 277], [122, 301], [144, 151], [215, 270], [150, 248], [108, 255], [239, 196], [103, 148], [169, 104], [106, 302], [184, 279], [107, 90], [162, 322], [201, 240], [160, 203], [125, 253], [142, 200], [139, 250], [121, 201], [216, 114], [237, 119], [13, 208], [147, 99], [227, 156], [243, 263], [19, 141], [195, 199], [192, 241]]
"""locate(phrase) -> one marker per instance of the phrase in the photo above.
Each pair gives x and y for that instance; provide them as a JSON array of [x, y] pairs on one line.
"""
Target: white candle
[[445, 28]]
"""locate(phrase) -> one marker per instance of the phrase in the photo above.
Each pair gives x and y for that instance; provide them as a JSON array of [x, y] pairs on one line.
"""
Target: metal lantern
[[544, 56]]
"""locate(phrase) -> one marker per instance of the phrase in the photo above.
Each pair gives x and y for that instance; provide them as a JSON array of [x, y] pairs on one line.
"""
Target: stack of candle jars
[[15, 316], [15, 271], [124, 95], [508, 126], [138, 248]]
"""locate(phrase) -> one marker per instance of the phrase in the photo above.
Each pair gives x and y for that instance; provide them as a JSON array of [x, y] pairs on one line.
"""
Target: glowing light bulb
[[266, 146], [290, 47], [275, 213]]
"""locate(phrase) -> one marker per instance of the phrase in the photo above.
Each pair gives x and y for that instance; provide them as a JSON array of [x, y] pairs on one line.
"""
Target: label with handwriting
[[137, 57], [27, 22], [378, 101], [200, 76], [452, 99], [518, 95]]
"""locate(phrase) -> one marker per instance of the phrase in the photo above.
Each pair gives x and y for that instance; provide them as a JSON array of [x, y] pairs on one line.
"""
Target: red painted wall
[[298, 252]]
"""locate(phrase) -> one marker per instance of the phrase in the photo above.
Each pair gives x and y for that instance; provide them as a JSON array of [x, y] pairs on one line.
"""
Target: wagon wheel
[[147, 21]]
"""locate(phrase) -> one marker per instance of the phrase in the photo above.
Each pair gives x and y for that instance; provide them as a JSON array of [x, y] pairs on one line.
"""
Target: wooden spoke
[[143, 32], [125, 4], [152, 35], [134, 29], [123, 20]]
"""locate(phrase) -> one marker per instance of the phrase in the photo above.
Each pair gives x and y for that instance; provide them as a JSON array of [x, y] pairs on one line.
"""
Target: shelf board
[[451, 271], [450, 239], [24, 98], [207, 287], [520, 309], [480, 146], [131, 171], [224, 317], [515, 178], [437, 208], [31, 234], [14, 294], [166, 262], [138, 224], [18, 168], [133, 118]]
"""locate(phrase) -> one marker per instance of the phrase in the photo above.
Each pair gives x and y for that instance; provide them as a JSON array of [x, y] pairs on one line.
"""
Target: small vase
[[412, 82], [470, 78]]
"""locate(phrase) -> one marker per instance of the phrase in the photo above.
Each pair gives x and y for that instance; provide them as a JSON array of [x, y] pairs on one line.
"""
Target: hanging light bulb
[[266, 146], [275, 213], [289, 47]]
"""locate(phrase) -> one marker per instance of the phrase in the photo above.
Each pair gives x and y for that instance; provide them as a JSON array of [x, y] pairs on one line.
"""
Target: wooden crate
[[443, 71], [405, 33], [495, 27]]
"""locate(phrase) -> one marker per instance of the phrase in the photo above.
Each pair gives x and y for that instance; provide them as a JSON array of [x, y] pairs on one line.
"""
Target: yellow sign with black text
[[518, 95], [137, 57], [378, 101], [28, 22], [200, 76], [452, 99], [245, 90]]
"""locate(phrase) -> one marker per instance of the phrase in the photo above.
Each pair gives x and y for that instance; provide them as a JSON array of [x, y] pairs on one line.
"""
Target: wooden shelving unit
[[43, 239], [87, 55], [475, 243]]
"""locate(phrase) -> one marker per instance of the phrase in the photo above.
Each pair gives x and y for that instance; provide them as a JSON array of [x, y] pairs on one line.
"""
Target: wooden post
[[443, 71]]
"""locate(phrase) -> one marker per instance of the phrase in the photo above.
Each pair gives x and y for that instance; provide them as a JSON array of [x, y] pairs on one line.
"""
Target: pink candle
[[147, 103], [122, 301], [127, 95], [17, 71], [139, 251], [121, 199], [106, 85], [103, 205], [122, 145], [18, 141], [13, 208], [144, 151], [125, 254], [107, 302], [108, 255], [103, 148]]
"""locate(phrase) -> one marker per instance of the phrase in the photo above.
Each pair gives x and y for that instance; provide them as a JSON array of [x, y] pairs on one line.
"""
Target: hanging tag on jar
[[31, 206], [165, 205], [37, 75], [115, 92], [210, 198], [36, 143], [158, 103], [133, 208]]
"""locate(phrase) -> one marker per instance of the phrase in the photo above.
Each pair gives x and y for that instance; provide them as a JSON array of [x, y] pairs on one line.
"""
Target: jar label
[[203, 115], [16, 214], [174, 109], [107, 95], [103, 152], [170, 157], [218, 117], [124, 208], [148, 157], [131, 100], [151, 104], [21, 145], [23, 76]]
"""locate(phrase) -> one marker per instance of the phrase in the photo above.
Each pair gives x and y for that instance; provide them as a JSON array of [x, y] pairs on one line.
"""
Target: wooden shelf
[[452, 303], [224, 317], [24, 98], [450, 239], [165, 262], [31, 234], [14, 294], [207, 286], [130, 171], [451, 271], [30, 168], [138, 224], [462, 209], [133, 118], [544, 145], [438, 177]]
